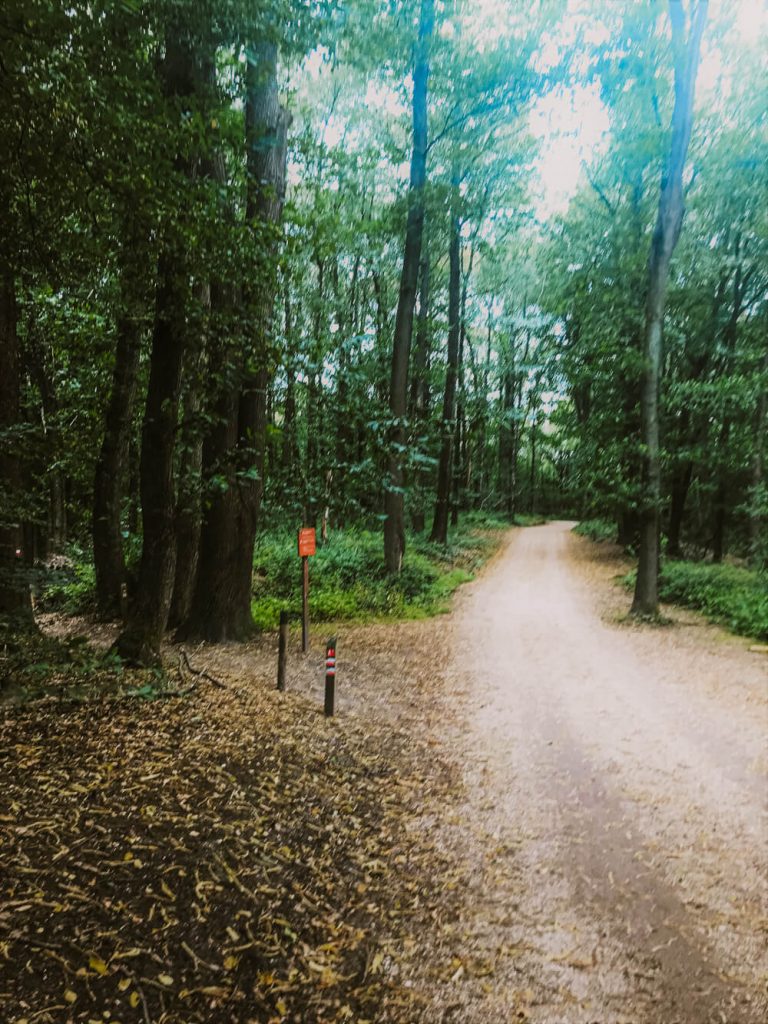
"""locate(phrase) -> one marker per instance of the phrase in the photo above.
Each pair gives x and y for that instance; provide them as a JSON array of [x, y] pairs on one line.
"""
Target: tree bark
[[112, 463], [681, 483], [314, 391], [459, 440], [343, 413], [15, 602], [419, 411], [289, 453], [507, 481], [139, 642], [721, 508], [421, 359], [394, 504], [532, 485], [235, 449], [189, 513], [665, 236], [758, 542], [445, 465]]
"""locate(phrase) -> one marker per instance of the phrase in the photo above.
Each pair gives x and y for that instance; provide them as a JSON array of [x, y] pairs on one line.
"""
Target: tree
[[15, 604], [139, 642], [394, 505], [439, 532], [234, 450], [665, 236]]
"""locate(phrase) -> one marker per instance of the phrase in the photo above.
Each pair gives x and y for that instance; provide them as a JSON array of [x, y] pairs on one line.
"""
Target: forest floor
[[527, 810]]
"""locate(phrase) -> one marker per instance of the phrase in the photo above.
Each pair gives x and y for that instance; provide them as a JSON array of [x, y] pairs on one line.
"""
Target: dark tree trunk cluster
[[200, 489]]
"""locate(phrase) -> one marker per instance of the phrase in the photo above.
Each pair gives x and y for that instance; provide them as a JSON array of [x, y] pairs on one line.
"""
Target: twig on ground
[[202, 672], [198, 959]]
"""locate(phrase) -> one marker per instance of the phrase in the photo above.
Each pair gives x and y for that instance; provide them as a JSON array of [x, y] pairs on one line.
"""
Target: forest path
[[615, 819]]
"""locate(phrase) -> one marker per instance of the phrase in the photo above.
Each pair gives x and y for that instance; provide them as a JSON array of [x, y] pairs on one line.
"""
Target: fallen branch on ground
[[201, 673]]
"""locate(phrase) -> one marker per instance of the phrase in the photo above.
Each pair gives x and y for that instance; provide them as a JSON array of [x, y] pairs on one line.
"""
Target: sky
[[573, 125]]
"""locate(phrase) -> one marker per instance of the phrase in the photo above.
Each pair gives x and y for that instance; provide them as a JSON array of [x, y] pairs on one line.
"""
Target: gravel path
[[615, 820], [594, 791]]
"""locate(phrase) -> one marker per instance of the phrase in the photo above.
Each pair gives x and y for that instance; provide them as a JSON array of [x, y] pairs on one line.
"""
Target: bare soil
[[530, 809]]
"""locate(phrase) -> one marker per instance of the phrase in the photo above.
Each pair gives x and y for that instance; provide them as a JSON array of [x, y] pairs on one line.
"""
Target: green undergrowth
[[36, 666], [347, 577], [348, 580], [596, 529], [727, 594]]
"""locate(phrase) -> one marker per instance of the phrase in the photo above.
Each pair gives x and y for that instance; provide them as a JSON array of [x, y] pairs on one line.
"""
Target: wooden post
[[307, 547], [305, 605], [282, 650], [330, 677]]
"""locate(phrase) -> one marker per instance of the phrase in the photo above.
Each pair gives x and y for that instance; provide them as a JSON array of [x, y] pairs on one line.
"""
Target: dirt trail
[[616, 803]]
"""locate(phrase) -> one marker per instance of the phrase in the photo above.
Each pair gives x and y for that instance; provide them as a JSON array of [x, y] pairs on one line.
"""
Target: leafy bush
[[68, 586], [348, 579], [596, 529], [521, 519], [735, 597]]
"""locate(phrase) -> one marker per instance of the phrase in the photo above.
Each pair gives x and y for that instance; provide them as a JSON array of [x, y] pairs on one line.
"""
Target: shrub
[[728, 594], [68, 586], [596, 529], [348, 579]]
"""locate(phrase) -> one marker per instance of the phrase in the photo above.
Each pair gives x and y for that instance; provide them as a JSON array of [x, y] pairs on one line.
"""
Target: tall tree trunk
[[419, 411], [758, 539], [681, 483], [459, 438], [720, 505], [421, 357], [206, 618], [534, 429], [394, 504], [15, 602], [289, 454], [221, 606], [506, 435], [139, 642], [189, 514], [481, 422], [112, 464], [721, 508], [445, 465], [666, 233], [343, 414], [134, 497], [314, 409], [382, 332], [52, 536]]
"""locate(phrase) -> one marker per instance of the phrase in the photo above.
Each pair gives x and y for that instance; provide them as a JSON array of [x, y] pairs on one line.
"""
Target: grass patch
[[596, 529], [727, 594], [348, 580], [347, 577], [521, 519]]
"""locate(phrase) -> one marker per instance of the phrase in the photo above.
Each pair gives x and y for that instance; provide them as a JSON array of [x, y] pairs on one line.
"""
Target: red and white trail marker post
[[307, 547], [330, 677]]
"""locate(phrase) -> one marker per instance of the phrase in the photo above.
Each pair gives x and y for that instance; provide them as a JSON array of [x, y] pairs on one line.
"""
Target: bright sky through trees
[[572, 123]]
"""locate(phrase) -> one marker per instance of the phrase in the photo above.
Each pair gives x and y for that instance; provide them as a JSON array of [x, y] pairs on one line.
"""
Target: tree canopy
[[292, 263]]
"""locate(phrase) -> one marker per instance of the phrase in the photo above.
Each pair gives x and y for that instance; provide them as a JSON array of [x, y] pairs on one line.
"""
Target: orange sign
[[307, 543]]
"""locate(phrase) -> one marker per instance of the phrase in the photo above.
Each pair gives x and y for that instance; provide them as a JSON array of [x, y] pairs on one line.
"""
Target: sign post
[[307, 547]]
